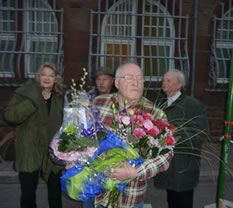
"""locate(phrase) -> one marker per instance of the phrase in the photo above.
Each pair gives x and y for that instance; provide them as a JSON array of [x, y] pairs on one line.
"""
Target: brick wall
[[216, 117]]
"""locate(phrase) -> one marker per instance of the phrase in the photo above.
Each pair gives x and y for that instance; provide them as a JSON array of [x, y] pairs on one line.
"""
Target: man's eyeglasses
[[130, 77]]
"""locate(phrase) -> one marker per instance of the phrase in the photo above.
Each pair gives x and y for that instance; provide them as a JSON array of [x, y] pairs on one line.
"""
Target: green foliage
[[113, 197], [133, 140], [101, 135], [71, 143], [71, 129]]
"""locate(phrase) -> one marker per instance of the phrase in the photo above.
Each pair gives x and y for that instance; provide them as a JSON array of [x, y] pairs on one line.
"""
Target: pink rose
[[139, 133], [148, 124], [125, 120], [118, 117], [137, 120], [170, 140]]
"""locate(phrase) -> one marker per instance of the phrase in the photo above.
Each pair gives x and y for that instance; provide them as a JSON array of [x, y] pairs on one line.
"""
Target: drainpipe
[[193, 68]]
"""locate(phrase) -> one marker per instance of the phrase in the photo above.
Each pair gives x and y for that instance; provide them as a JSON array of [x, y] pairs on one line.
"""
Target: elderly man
[[181, 110], [129, 81], [103, 82]]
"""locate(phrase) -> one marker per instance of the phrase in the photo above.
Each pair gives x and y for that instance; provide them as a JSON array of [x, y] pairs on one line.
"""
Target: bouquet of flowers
[[150, 137], [76, 140], [84, 181], [134, 136]]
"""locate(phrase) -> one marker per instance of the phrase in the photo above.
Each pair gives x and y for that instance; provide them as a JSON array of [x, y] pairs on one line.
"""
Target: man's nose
[[135, 81]]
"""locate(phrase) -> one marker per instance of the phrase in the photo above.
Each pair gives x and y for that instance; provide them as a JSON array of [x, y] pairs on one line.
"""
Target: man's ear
[[180, 86], [116, 83]]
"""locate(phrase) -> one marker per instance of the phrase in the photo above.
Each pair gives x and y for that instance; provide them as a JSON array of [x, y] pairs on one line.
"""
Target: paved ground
[[205, 193]]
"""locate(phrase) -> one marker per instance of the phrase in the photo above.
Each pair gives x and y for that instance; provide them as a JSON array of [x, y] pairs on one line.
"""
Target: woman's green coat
[[28, 109]]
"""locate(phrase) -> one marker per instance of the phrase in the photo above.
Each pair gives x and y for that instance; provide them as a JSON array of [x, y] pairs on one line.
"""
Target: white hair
[[120, 67], [180, 76]]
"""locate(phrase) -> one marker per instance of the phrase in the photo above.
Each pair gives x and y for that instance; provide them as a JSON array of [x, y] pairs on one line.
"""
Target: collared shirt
[[134, 191], [172, 99]]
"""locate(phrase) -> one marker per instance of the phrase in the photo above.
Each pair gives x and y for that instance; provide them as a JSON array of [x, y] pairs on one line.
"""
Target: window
[[8, 26], [30, 36], [222, 46], [41, 35], [118, 34], [141, 31], [158, 41], [120, 37]]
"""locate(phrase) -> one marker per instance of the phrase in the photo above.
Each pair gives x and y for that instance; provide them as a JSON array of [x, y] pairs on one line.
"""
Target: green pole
[[226, 142]]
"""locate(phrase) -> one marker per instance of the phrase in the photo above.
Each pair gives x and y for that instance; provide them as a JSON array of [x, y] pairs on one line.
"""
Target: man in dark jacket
[[189, 115]]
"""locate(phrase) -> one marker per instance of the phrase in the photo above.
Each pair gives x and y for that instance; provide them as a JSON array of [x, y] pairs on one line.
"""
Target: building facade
[[193, 36]]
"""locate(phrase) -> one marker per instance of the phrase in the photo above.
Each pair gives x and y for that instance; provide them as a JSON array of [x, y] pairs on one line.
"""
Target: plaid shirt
[[134, 191]]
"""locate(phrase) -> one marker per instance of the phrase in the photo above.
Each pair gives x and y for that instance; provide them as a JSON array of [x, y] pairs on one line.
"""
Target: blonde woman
[[37, 107]]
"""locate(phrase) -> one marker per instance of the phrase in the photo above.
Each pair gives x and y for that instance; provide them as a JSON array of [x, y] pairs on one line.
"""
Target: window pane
[[225, 26], [155, 23], [38, 59], [6, 59], [223, 46], [41, 35], [8, 18], [8, 21], [157, 44], [155, 66], [42, 22], [119, 25], [116, 49], [223, 63], [7, 37]]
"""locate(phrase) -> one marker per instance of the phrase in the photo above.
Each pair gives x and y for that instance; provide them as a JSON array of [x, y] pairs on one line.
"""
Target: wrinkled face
[[104, 83], [130, 83], [170, 84], [47, 78]]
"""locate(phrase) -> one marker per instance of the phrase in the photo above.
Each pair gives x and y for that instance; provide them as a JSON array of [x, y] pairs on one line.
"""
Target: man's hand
[[125, 172]]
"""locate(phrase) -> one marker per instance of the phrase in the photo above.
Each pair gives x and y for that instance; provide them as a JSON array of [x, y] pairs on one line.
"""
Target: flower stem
[[113, 198]]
